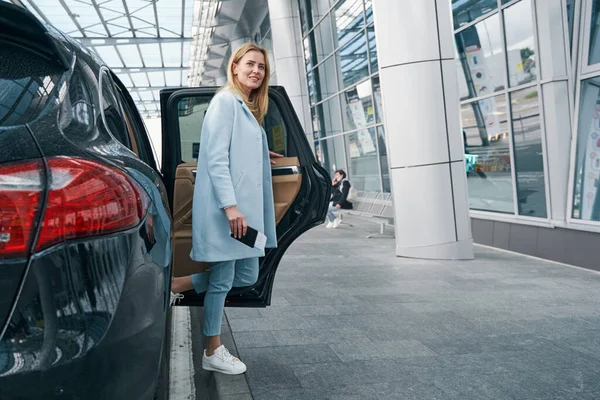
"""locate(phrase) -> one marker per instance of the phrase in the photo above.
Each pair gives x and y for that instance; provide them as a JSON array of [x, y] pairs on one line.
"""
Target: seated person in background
[[339, 194]]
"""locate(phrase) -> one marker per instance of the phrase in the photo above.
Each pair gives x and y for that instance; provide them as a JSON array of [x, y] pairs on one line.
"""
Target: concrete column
[[421, 107], [553, 60], [288, 57]]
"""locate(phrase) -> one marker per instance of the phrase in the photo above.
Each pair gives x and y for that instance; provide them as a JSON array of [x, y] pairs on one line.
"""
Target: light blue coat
[[233, 169]]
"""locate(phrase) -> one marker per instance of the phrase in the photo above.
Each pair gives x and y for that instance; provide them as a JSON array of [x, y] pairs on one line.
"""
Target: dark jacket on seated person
[[339, 193]]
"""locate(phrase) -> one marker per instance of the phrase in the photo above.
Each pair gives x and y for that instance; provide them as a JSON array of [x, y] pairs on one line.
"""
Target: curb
[[229, 387]]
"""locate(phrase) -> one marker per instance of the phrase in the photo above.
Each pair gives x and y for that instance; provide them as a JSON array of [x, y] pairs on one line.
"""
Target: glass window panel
[[172, 54], [373, 49], [139, 79], [464, 11], [369, 11], [330, 154], [571, 21], [363, 163], [383, 159], [316, 124], [307, 55], [349, 20], [109, 55], [377, 97], [594, 57], [520, 45], [151, 54], [173, 78], [312, 90], [169, 17], [130, 55], [157, 78], [359, 107], [586, 197], [481, 57], [323, 38], [354, 61], [529, 162], [125, 79], [304, 15], [487, 155], [330, 117], [327, 78]]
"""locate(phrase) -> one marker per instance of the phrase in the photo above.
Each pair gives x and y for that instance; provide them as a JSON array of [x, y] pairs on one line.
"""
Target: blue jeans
[[217, 282], [330, 215]]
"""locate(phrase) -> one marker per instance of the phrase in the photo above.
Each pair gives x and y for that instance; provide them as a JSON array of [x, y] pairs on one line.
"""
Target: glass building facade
[[344, 94], [500, 85]]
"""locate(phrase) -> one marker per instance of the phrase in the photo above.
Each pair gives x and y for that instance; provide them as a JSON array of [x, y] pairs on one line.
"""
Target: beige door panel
[[183, 196], [285, 190], [285, 187]]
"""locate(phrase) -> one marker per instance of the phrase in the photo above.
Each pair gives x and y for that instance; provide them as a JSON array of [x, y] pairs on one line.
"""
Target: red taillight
[[86, 198], [20, 192]]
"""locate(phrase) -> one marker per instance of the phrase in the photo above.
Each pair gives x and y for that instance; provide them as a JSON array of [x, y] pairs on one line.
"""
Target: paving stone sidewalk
[[350, 320]]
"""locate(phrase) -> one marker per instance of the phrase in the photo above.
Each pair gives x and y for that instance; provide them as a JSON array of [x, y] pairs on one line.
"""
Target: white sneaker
[[336, 222], [329, 225], [222, 361], [176, 298]]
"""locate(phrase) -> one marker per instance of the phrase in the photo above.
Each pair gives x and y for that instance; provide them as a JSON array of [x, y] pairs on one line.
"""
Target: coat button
[[258, 139], [268, 180], [258, 163], [258, 185]]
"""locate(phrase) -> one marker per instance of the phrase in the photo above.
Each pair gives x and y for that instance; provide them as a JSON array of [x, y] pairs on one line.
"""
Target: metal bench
[[373, 206]]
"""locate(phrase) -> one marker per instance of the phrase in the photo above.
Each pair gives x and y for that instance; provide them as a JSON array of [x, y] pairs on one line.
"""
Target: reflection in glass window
[[369, 11], [304, 15], [316, 124], [372, 49], [354, 61], [377, 98], [529, 163], [487, 155], [571, 21], [348, 20], [363, 161], [383, 159], [330, 153], [481, 57], [359, 107], [586, 197], [594, 57], [520, 45], [330, 117], [327, 79], [323, 39], [465, 11]]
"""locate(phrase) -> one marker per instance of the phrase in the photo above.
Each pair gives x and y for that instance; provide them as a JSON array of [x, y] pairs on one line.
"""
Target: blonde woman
[[233, 191]]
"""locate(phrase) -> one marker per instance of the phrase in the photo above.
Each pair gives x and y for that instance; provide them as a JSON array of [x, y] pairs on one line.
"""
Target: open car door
[[301, 187]]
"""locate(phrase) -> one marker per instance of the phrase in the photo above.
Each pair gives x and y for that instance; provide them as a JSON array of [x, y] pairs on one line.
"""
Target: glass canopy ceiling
[[149, 44]]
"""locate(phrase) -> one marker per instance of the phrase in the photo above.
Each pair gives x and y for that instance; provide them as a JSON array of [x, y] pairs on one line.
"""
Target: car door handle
[[291, 170]]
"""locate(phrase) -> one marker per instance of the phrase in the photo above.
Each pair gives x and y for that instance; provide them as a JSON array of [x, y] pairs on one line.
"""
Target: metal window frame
[[582, 74]]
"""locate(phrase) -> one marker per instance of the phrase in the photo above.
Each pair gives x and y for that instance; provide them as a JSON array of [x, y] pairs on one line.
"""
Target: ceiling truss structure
[[153, 44]]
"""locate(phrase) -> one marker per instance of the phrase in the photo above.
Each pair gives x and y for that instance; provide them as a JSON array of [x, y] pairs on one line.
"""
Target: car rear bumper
[[89, 323]]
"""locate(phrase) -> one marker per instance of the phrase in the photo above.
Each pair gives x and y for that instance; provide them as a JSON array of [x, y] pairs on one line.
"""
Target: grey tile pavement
[[349, 320]]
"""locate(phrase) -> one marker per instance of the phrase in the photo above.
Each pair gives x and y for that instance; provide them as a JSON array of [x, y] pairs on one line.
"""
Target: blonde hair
[[258, 101]]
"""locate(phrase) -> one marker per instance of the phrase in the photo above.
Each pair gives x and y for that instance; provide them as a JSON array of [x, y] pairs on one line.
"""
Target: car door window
[[276, 130], [190, 113], [112, 113]]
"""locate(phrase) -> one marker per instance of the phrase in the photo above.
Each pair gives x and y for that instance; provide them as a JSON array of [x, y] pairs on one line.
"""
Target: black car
[[89, 223]]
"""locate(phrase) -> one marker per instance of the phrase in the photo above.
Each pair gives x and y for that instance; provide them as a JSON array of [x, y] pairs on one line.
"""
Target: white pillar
[[288, 56], [421, 107], [553, 59]]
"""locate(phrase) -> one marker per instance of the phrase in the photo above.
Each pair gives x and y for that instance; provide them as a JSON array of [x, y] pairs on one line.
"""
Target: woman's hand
[[237, 222], [273, 155]]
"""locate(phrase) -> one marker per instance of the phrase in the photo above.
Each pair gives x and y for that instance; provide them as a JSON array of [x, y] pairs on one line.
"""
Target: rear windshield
[[27, 82]]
